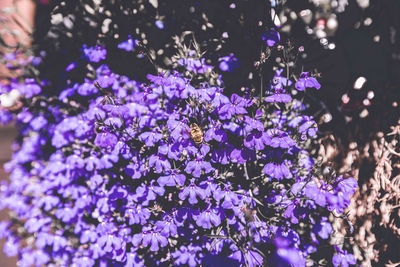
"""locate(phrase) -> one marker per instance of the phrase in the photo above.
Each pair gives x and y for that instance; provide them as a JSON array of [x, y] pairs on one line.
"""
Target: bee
[[196, 133], [248, 213]]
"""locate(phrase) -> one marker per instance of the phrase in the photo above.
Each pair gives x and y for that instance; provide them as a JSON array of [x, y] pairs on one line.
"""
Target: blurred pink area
[[7, 136], [24, 11]]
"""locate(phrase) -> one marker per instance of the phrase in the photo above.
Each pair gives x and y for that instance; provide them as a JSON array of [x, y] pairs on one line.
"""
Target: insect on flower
[[196, 133], [248, 213]]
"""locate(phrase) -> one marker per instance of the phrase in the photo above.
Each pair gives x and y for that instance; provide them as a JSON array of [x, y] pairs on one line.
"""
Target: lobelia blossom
[[208, 218], [251, 257], [192, 191], [287, 254], [159, 24], [160, 163], [172, 179], [195, 65], [128, 45], [343, 258], [306, 82], [228, 63], [186, 255], [271, 37], [138, 215], [94, 54], [167, 227], [153, 238], [237, 105], [198, 166], [278, 171], [278, 98], [324, 228]]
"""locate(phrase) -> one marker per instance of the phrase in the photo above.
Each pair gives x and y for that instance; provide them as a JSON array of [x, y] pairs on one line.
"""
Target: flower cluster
[[173, 172]]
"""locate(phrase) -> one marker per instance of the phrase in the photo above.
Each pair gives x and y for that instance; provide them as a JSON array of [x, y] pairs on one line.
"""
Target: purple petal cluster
[[120, 179]]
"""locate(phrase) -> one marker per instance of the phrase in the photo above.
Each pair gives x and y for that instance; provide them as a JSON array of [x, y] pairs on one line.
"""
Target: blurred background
[[16, 27]]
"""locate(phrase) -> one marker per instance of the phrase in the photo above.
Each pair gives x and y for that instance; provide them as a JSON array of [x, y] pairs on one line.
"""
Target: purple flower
[[192, 191], [233, 128], [105, 140], [228, 63], [48, 202], [306, 82], [109, 242], [278, 83], [11, 247], [206, 94], [195, 65], [216, 133], [278, 171], [137, 215], [323, 229], [172, 179], [93, 163], [108, 160], [128, 45], [195, 167], [230, 198], [167, 227], [159, 24], [152, 238], [294, 212], [134, 170], [87, 88], [27, 258], [153, 191], [160, 163], [347, 186], [25, 116], [71, 66], [242, 155], [253, 124], [251, 258], [106, 81], [237, 105], [29, 88], [279, 98], [129, 186], [290, 255], [338, 202], [309, 127], [186, 255], [88, 236], [35, 224], [94, 54], [209, 186], [271, 37], [316, 194], [208, 218], [254, 140], [76, 162], [150, 138], [219, 99], [133, 260], [178, 129], [221, 155], [278, 138], [343, 258], [38, 123], [84, 261]]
